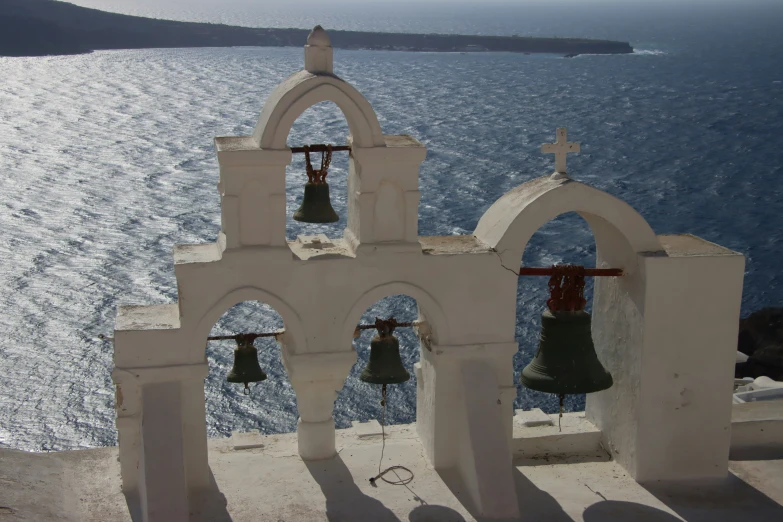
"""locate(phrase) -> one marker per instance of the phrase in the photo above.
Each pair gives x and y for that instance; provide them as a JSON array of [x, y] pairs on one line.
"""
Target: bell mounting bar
[[320, 147], [254, 335], [246, 336], [588, 272], [567, 284]]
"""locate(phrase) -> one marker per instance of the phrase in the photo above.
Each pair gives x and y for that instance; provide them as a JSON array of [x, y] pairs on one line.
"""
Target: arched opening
[[359, 400], [566, 239], [323, 123], [271, 405]]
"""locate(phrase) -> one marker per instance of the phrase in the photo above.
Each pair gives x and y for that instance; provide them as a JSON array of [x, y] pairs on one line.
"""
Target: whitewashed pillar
[[464, 415], [252, 190], [383, 192], [317, 379], [163, 489], [128, 407], [163, 440], [671, 352]]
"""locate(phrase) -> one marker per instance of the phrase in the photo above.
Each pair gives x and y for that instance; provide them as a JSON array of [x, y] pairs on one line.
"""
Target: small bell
[[566, 362], [246, 368], [385, 364], [316, 206]]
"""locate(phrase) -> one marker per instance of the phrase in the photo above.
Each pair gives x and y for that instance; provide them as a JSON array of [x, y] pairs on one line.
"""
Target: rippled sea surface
[[107, 161]]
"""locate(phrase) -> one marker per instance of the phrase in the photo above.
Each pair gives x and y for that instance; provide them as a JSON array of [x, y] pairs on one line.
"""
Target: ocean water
[[107, 161]]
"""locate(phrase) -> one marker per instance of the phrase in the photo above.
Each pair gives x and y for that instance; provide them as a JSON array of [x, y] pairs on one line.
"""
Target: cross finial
[[560, 149]]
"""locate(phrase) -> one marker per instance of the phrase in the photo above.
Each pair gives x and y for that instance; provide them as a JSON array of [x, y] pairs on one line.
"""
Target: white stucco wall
[[662, 317]]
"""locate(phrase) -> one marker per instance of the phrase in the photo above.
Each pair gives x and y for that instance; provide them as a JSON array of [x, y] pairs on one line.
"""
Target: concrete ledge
[[204, 253], [578, 436], [757, 430], [367, 429], [147, 317], [156, 374], [532, 418]]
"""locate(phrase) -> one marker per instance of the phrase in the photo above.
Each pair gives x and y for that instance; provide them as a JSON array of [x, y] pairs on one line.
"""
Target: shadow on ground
[[535, 505], [209, 505], [344, 500], [721, 501]]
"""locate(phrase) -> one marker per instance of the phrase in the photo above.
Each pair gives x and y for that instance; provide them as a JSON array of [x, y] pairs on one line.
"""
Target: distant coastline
[[48, 27]]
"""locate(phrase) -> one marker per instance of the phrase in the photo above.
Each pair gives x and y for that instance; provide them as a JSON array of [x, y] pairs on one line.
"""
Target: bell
[[246, 368], [385, 365], [566, 362], [316, 206]]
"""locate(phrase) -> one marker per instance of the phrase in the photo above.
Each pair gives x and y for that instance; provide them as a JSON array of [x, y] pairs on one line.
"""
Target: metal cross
[[560, 149]]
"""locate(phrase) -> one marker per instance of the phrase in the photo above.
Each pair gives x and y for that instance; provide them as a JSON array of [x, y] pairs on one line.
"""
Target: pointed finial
[[318, 37], [319, 55]]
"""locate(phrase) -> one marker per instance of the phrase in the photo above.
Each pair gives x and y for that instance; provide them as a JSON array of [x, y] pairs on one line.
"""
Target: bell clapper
[[247, 389]]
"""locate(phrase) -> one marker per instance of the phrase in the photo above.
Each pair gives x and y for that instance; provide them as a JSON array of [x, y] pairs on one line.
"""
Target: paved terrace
[[262, 478]]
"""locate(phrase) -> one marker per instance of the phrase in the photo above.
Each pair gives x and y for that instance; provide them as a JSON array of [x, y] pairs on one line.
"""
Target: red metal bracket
[[567, 284]]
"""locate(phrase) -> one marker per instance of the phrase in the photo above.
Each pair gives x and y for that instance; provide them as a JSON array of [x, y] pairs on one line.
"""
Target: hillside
[[47, 27]]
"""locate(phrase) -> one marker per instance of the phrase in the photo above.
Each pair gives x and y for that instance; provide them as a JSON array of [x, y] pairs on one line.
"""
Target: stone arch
[[294, 337], [429, 308], [619, 231], [303, 90]]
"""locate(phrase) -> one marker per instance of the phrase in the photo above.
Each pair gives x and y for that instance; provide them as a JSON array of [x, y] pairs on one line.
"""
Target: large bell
[[566, 362], [385, 365], [316, 206], [246, 368]]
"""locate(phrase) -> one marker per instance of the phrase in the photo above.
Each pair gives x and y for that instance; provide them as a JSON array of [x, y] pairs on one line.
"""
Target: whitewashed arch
[[294, 337], [620, 232], [429, 308], [303, 90]]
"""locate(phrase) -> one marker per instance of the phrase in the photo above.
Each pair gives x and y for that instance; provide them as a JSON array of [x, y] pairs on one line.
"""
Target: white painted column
[[163, 491], [194, 432], [252, 189], [317, 378], [163, 439], [383, 192], [485, 460], [128, 407], [464, 416], [671, 352]]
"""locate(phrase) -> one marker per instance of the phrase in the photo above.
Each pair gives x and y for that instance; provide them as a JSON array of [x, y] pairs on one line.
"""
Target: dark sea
[[107, 161]]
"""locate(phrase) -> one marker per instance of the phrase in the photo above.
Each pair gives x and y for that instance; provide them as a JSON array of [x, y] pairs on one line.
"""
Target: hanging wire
[[562, 398], [380, 475]]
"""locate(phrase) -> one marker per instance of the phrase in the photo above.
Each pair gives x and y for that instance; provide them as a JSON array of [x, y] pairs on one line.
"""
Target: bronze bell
[[566, 362], [385, 365], [316, 206], [246, 368]]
